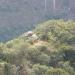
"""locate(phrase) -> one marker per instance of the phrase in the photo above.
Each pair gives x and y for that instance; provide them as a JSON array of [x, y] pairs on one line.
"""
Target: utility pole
[[54, 5], [45, 4]]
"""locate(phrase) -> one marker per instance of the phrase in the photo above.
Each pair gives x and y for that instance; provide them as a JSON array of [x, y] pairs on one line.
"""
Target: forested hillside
[[52, 52], [19, 16]]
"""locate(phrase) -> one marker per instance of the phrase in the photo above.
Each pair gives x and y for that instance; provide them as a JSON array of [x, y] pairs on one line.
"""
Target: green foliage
[[39, 69], [56, 71], [2, 68], [52, 54], [10, 69], [67, 67]]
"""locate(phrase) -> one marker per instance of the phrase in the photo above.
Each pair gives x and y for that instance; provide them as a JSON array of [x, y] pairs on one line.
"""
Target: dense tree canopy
[[52, 54]]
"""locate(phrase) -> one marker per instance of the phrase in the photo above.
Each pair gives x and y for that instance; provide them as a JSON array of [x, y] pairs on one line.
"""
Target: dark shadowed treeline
[[18, 16]]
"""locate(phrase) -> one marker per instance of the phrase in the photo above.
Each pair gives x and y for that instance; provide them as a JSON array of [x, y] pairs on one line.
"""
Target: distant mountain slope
[[18, 16], [53, 52]]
